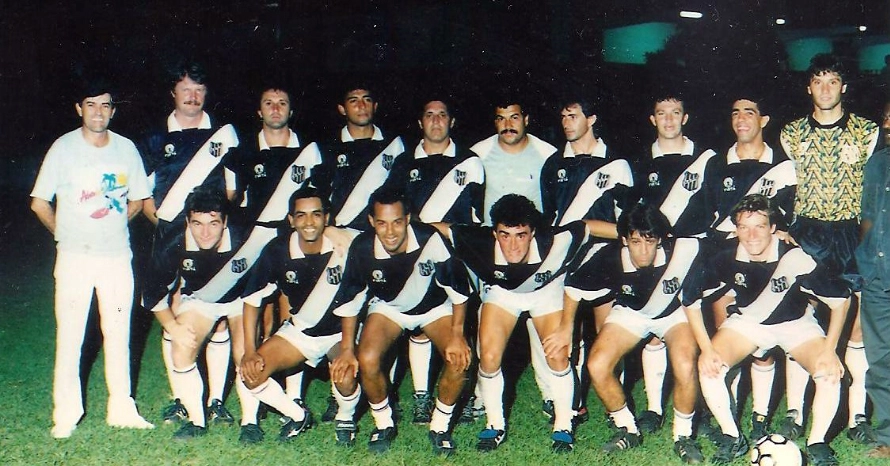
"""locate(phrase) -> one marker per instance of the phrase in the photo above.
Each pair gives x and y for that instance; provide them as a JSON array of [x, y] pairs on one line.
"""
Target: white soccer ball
[[776, 450]]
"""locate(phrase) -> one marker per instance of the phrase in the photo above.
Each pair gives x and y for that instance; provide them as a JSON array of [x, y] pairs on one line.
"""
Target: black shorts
[[832, 244]]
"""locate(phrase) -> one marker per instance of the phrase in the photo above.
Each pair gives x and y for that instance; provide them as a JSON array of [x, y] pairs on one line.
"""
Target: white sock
[[563, 384], [294, 384], [735, 377], [654, 361], [167, 354], [582, 358], [857, 365], [479, 402], [271, 393], [795, 387], [492, 386], [188, 384], [762, 378], [394, 368], [682, 424], [825, 403], [716, 394], [382, 413], [419, 354], [624, 418], [249, 403], [539, 362], [346, 405], [219, 352], [441, 417]]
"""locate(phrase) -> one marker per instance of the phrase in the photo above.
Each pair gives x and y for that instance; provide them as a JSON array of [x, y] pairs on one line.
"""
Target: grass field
[[27, 345]]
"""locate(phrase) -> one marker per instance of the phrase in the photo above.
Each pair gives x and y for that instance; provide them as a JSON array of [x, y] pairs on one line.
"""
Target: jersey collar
[[380, 253], [766, 157], [419, 153], [688, 148], [346, 137], [628, 265], [225, 245], [292, 143], [297, 253], [174, 126], [599, 150]]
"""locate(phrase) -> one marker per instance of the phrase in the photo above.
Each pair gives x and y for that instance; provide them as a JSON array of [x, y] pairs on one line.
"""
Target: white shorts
[[641, 325], [213, 311], [546, 300], [787, 335], [411, 322], [313, 348]]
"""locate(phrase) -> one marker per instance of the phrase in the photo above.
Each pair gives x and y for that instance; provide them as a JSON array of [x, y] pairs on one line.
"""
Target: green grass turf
[[26, 349]]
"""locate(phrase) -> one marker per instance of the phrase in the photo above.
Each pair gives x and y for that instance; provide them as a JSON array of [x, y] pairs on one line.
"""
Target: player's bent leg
[[378, 335], [828, 388], [684, 364], [187, 382], [457, 357], [561, 379], [732, 347], [654, 360], [495, 326]]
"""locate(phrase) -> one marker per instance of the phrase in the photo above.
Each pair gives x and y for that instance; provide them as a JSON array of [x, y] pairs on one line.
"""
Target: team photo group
[[372, 256]]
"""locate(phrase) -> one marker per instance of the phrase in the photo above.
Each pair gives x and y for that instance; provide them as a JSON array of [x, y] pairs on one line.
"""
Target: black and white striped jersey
[[584, 186], [771, 292], [445, 187], [413, 283], [608, 274], [553, 252], [309, 281]]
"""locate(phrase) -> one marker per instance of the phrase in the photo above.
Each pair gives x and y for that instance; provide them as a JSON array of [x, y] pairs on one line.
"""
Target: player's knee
[[600, 367], [369, 361], [490, 361]]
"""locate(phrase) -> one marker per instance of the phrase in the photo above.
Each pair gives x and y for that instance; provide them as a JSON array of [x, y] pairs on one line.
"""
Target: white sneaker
[[62, 431]]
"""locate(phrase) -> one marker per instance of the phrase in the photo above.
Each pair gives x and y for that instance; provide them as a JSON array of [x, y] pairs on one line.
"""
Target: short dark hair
[[275, 87], [645, 219], [95, 86], [668, 97], [205, 199], [514, 210], [826, 63], [587, 107], [755, 203], [388, 195], [506, 97], [754, 96], [354, 86], [437, 98], [308, 192], [192, 70]]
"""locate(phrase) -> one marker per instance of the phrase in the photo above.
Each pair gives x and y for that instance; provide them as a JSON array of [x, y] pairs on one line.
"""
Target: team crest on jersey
[[498, 275], [691, 181], [291, 277], [627, 290], [239, 265], [766, 187], [426, 268], [259, 171], [216, 149], [778, 285], [561, 176], [414, 175], [653, 180], [297, 173], [740, 280], [543, 277], [169, 151], [460, 177], [670, 286], [342, 161], [188, 265], [387, 161], [850, 154], [377, 276], [602, 180], [728, 184], [334, 275]]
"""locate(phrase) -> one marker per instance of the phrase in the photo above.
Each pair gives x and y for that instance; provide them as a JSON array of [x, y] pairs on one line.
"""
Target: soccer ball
[[775, 450]]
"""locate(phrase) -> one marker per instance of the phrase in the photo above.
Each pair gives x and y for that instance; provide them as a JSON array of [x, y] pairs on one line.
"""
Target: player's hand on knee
[[558, 343], [252, 366], [710, 364], [828, 367], [344, 366], [458, 353], [183, 335]]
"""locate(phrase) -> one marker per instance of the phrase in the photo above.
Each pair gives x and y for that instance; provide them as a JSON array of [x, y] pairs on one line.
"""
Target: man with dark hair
[[98, 183], [188, 152], [521, 266], [305, 269], [358, 161], [640, 282], [772, 285], [830, 148], [411, 281]]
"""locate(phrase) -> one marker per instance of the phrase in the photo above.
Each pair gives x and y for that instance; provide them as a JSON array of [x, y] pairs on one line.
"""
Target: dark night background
[[409, 50]]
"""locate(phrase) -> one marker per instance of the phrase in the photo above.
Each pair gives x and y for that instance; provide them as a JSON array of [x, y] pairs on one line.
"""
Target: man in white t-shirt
[[98, 183]]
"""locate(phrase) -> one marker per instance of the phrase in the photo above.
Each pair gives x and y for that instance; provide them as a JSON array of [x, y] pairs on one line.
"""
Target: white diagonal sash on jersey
[[685, 251], [322, 295], [781, 176], [448, 190], [234, 269], [618, 171], [552, 263], [678, 198], [276, 208], [580, 294], [371, 179], [201, 164], [792, 265], [416, 286]]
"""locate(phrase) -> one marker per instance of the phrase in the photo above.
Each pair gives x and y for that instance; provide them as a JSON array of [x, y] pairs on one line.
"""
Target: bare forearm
[[349, 327], [45, 213], [150, 210], [249, 319], [602, 229], [133, 209], [836, 324]]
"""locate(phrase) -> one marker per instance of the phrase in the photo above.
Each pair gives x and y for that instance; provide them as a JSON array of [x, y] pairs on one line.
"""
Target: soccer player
[[411, 280], [209, 248], [830, 148], [772, 285], [98, 183], [445, 183], [671, 179], [521, 265], [870, 258], [305, 269], [640, 280], [186, 153]]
